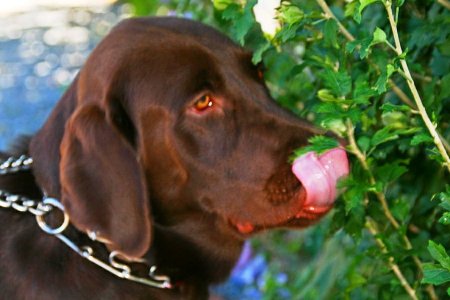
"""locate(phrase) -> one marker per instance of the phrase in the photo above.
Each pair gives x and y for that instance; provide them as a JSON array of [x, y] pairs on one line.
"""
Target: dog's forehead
[[165, 45]]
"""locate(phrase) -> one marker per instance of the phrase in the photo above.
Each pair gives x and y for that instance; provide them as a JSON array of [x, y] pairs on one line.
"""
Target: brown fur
[[131, 159]]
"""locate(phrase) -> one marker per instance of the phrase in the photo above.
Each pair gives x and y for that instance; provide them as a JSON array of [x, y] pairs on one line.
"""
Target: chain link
[[23, 204], [13, 165], [40, 208]]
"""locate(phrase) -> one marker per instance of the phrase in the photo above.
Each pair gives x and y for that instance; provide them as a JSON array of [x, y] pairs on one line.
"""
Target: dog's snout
[[282, 186]]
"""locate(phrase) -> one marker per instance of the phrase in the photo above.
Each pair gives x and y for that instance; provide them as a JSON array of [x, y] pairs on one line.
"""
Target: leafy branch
[[390, 216], [372, 227], [363, 159], [412, 86], [438, 140], [444, 3]]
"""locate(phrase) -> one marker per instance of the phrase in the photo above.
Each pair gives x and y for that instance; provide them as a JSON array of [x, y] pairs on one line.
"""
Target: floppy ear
[[102, 183]]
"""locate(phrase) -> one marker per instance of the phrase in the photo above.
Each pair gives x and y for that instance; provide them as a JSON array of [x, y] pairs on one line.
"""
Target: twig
[[353, 147], [431, 128], [401, 95], [329, 14], [436, 137], [444, 3], [362, 160], [371, 226]]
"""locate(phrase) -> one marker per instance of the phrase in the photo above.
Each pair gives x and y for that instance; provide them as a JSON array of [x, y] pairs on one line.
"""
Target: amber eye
[[203, 103]]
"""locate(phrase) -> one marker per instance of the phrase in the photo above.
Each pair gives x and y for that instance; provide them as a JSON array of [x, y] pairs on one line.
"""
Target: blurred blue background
[[41, 50]]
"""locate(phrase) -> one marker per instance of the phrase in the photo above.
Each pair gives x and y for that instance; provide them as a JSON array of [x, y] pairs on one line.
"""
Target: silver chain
[[40, 208], [14, 165]]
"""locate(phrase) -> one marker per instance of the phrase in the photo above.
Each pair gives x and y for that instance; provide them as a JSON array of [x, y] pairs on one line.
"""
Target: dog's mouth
[[318, 176]]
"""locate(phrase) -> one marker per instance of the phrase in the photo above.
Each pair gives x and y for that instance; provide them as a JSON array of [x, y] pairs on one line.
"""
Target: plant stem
[[353, 147], [329, 14], [401, 95], [371, 226], [444, 3], [431, 128], [436, 137], [362, 160]]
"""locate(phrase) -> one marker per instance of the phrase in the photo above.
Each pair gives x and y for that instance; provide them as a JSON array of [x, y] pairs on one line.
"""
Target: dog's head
[[170, 125]]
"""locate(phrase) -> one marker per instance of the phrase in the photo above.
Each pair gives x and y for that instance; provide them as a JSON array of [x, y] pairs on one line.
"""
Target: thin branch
[[329, 14], [362, 160], [413, 89], [353, 147], [444, 3], [371, 226], [440, 143], [401, 95]]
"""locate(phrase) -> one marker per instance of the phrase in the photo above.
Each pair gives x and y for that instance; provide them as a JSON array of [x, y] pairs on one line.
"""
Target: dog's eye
[[203, 103]]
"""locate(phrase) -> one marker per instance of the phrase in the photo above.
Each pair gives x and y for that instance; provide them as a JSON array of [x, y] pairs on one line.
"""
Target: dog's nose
[[319, 175]]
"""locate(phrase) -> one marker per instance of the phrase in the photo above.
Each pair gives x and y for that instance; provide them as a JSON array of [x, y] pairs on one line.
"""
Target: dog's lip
[[318, 175], [307, 215]]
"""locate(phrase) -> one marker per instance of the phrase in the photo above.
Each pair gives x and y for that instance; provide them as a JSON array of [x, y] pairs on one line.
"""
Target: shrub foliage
[[377, 73]]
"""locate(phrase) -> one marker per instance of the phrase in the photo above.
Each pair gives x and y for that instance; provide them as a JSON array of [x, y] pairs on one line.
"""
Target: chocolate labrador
[[167, 150]]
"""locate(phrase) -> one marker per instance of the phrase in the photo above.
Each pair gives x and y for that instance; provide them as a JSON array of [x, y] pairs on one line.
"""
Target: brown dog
[[166, 146]]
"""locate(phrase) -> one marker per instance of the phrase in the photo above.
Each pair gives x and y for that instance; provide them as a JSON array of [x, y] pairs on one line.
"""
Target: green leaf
[[318, 144], [362, 5], [389, 107], [290, 14], [355, 280], [434, 274], [353, 198], [445, 87], [340, 83], [257, 54], [327, 96], [351, 46], [444, 197], [364, 143], [362, 92], [221, 4], [420, 138], [380, 85], [330, 32], [287, 33], [438, 252], [145, 8], [382, 136], [379, 36], [390, 172], [365, 47], [242, 18], [401, 209], [445, 219]]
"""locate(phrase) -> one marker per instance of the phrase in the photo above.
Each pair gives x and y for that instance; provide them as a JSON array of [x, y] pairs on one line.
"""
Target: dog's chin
[[301, 218], [304, 218]]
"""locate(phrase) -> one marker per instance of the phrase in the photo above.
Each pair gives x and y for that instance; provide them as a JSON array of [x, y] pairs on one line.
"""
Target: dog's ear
[[102, 183]]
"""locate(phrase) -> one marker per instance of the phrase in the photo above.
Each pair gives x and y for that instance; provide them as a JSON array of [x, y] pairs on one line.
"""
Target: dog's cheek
[[163, 167]]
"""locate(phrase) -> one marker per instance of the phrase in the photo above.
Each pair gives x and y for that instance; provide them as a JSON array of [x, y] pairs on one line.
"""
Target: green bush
[[375, 72]]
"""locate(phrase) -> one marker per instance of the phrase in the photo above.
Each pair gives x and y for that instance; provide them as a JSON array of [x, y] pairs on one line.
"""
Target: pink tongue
[[319, 175]]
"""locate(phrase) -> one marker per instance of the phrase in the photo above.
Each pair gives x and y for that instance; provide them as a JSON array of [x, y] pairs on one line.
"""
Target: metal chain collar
[[40, 208]]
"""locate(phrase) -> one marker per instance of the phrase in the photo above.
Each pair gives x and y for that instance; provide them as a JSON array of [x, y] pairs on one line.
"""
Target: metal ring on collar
[[41, 220]]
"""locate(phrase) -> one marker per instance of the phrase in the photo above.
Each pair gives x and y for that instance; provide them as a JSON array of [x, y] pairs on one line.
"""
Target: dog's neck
[[192, 264]]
